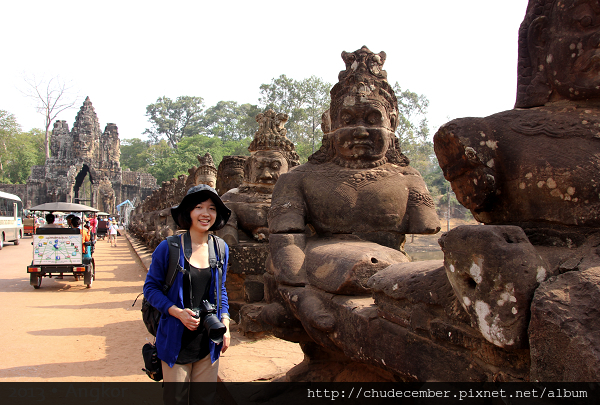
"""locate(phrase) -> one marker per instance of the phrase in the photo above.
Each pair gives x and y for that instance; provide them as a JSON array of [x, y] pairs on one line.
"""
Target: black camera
[[208, 318]]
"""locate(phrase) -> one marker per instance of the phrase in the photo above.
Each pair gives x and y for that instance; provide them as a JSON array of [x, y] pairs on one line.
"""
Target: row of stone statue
[[513, 300]]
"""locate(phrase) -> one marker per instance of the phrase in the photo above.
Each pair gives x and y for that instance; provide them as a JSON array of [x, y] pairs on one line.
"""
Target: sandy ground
[[66, 332], [426, 247]]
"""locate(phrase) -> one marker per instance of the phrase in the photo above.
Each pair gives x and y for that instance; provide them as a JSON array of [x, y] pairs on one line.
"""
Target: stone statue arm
[[421, 215], [287, 239], [466, 151]]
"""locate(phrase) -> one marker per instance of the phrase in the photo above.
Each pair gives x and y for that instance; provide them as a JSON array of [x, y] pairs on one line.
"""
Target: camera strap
[[214, 257]]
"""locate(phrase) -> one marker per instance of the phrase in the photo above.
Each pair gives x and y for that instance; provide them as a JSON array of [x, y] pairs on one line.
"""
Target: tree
[[52, 98], [174, 119], [230, 121], [28, 151], [19, 151], [304, 101], [166, 163], [134, 154], [413, 130], [9, 129]]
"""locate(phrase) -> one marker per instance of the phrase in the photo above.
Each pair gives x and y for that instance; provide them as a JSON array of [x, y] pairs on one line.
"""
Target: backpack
[[150, 315]]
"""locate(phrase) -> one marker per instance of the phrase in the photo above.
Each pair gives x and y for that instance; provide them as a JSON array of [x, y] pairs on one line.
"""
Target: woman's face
[[203, 215]]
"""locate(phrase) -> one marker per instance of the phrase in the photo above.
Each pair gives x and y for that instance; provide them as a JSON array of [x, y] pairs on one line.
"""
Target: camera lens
[[215, 328]]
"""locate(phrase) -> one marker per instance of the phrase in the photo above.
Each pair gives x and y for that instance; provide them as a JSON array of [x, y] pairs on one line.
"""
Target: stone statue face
[[266, 167], [207, 179], [362, 133], [572, 56], [234, 177]]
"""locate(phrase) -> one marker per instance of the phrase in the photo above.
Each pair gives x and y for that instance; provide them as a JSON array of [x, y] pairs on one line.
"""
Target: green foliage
[[19, 151], [230, 121], [304, 101], [134, 154], [164, 162], [174, 119], [415, 139]]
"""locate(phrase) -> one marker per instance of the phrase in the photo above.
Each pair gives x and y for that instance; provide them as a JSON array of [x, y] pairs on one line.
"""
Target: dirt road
[[66, 332]]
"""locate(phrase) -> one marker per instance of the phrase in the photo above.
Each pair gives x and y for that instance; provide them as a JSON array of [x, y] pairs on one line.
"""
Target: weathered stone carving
[[271, 154], [494, 270], [535, 167], [246, 232], [107, 195], [205, 173], [338, 220], [230, 173]]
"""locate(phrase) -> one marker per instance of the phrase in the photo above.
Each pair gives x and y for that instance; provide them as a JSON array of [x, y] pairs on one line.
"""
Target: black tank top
[[194, 344]]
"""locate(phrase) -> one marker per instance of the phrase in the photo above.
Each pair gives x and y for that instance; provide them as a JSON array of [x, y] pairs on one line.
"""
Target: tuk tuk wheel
[[90, 279], [35, 280], [1, 241]]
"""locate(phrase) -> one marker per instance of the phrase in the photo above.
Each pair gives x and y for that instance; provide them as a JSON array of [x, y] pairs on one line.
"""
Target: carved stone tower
[[84, 167]]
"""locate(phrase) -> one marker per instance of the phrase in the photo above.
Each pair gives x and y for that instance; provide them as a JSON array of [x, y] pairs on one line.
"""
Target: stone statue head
[[559, 57], [207, 172], [230, 173], [359, 129], [271, 152]]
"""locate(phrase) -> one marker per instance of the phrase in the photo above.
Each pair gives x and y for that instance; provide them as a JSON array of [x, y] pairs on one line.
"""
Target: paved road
[[66, 332]]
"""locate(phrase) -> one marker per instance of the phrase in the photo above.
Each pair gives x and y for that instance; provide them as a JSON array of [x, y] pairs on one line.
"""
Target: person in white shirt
[[112, 233]]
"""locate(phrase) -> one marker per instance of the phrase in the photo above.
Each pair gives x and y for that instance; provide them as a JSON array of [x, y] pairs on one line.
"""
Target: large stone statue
[[246, 232], [342, 217], [205, 173], [230, 173], [271, 155], [533, 173]]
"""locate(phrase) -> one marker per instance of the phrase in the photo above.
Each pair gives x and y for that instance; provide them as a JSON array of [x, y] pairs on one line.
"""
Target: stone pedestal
[[245, 283]]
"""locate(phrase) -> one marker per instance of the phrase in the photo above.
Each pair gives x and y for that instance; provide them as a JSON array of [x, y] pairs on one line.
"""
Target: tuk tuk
[[102, 229], [58, 251], [30, 225]]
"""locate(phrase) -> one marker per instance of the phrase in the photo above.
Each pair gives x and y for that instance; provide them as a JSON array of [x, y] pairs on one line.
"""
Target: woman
[[182, 344]]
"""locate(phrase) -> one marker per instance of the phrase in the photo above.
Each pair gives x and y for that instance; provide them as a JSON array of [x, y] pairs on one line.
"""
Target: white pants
[[177, 389]]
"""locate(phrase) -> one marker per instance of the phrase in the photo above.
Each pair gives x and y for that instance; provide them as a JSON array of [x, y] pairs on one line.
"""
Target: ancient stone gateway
[[84, 167]]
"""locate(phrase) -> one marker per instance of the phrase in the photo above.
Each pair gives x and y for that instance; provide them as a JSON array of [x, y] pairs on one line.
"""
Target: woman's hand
[[226, 336], [186, 316]]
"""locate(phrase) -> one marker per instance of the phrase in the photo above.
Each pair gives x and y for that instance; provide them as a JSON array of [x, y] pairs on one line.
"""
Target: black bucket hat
[[198, 194]]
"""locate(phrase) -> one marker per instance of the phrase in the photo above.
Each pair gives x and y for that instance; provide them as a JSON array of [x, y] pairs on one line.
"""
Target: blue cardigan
[[170, 329]]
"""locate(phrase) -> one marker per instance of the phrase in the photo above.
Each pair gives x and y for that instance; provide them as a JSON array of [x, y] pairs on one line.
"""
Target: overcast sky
[[462, 54]]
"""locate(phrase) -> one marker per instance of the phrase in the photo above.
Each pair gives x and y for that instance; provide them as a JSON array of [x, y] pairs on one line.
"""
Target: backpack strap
[[174, 267], [216, 260]]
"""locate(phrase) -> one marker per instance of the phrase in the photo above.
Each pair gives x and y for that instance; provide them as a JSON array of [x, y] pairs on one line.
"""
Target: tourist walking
[[112, 233], [182, 342], [93, 226]]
